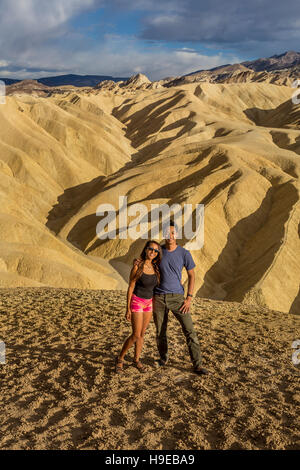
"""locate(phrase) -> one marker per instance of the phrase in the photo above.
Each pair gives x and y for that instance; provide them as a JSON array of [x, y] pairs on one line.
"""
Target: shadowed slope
[[231, 147], [247, 183]]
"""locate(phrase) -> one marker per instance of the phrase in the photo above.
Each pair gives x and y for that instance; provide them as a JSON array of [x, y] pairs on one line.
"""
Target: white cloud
[[36, 40], [118, 56], [36, 18], [123, 57], [165, 19]]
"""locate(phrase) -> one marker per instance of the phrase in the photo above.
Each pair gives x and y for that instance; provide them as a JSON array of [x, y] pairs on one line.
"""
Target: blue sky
[[160, 38]]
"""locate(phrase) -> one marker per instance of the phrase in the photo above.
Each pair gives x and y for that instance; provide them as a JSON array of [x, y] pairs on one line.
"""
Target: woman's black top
[[144, 286]]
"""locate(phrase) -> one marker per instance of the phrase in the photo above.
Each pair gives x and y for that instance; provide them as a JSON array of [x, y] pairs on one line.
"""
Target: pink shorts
[[138, 304]]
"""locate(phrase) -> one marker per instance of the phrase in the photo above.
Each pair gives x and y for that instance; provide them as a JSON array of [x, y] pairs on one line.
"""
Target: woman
[[144, 277]]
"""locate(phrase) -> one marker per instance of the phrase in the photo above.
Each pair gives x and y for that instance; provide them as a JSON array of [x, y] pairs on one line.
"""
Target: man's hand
[[137, 261], [128, 314], [185, 307]]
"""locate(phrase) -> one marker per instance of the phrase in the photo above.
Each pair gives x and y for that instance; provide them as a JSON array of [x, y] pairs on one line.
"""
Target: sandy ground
[[59, 389]]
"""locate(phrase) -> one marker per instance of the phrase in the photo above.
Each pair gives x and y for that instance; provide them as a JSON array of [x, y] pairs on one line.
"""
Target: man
[[170, 296]]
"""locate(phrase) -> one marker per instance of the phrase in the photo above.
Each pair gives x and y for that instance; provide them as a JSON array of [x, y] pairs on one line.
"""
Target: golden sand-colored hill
[[59, 389], [49, 146], [233, 147]]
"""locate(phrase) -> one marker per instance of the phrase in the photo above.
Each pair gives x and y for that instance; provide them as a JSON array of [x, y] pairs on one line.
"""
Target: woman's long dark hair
[[155, 262]]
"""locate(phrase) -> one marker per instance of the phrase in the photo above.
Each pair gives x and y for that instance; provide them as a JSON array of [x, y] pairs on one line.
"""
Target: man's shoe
[[161, 363], [201, 371]]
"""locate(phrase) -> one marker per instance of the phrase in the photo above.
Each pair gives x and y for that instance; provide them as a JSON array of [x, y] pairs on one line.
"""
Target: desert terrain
[[231, 144], [233, 147], [59, 389]]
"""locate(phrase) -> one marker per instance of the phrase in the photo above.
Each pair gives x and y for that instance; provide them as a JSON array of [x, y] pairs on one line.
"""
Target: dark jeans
[[162, 303]]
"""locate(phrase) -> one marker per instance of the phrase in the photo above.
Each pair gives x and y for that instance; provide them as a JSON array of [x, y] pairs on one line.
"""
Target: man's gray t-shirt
[[171, 267]]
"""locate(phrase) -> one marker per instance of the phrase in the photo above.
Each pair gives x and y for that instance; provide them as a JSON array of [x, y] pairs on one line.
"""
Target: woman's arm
[[130, 289]]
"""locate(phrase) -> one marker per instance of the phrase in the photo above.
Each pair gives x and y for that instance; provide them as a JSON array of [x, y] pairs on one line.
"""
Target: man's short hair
[[173, 224], [167, 225]]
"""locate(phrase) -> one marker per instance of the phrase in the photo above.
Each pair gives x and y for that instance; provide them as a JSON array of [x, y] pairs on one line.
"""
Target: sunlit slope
[[232, 147], [47, 147], [212, 144]]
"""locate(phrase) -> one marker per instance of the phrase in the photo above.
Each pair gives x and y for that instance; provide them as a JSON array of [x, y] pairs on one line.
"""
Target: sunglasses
[[153, 249]]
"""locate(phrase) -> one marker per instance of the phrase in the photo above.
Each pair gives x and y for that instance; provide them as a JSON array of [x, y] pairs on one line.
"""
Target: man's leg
[[160, 315], [174, 303]]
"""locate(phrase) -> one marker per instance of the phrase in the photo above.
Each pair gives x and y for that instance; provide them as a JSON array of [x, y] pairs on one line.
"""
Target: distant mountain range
[[280, 69], [275, 62], [71, 79]]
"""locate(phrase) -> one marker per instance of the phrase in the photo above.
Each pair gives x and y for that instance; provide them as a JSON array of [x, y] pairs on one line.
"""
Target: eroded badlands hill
[[233, 147]]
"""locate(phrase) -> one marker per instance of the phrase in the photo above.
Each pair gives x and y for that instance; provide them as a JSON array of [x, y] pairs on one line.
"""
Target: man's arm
[[191, 282], [136, 261]]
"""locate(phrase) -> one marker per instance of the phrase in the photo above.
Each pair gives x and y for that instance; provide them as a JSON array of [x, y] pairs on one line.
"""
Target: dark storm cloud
[[234, 23]]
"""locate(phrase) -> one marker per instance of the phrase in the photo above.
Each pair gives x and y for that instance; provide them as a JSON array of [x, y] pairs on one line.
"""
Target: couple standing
[[155, 279]]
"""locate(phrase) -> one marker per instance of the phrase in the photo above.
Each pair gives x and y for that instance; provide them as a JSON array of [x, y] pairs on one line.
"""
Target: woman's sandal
[[139, 366], [119, 365]]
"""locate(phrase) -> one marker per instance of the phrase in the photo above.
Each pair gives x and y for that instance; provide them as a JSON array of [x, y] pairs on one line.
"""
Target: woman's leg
[[137, 325], [140, 341]]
